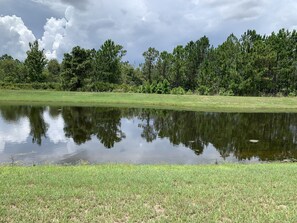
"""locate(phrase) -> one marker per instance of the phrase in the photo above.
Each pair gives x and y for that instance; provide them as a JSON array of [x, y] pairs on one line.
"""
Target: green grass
[[184, 102], [124, 193]]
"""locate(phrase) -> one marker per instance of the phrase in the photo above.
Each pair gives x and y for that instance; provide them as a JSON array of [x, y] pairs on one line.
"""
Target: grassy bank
[[124, 193], [184, 102]]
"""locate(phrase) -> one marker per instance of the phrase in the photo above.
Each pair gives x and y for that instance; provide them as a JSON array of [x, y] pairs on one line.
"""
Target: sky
[[59, 25]]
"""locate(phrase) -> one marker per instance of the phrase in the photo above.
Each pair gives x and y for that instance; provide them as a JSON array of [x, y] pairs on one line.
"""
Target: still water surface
[[42, 135]]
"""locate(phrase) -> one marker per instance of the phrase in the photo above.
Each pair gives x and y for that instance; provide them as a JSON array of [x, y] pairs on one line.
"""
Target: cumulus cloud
[[139, 24], [55, 130], [80, 4], [15, 36], [14, 132], [54, 32]]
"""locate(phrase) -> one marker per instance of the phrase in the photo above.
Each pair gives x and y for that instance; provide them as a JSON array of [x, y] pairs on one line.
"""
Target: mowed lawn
[[132, 193], [184, 102]]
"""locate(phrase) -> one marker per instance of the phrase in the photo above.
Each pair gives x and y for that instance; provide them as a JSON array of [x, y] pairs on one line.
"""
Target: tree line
[[252, 64]]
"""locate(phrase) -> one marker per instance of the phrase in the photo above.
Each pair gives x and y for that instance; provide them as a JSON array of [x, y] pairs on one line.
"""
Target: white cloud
[[14, 132], [55, 130], [138, 24], [15, 36], [54, 32]]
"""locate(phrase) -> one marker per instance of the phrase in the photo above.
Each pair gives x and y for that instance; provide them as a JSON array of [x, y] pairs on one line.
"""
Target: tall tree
[[108, 62], [76, 67], [130, 75], [35, 63], [178, 67], [250, 42], [207, 80], [196, 53], [150, 57], [54, 69], [228, 55], [164, 64]]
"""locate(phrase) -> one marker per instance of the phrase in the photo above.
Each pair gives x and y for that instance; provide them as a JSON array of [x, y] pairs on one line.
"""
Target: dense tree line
[[253, 64]]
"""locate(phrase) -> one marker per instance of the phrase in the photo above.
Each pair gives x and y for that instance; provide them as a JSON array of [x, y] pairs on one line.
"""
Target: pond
[[70, 135]]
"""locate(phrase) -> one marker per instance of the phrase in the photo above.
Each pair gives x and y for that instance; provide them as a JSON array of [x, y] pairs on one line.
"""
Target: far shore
[[137, 100]]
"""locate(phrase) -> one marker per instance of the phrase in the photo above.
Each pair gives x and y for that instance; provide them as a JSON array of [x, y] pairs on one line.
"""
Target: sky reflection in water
[[33, 135]]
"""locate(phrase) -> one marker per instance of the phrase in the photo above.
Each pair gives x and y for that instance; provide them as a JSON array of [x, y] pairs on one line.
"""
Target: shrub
[[166, 87], [159, 88], [189, 92], [292, 94], [202, 90], [98, 87], [178, 91], [224, 92], [30, 86]]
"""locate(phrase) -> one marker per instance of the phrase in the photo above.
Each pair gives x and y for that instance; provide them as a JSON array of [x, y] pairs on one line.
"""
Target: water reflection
[[71, 134], [82, 123]]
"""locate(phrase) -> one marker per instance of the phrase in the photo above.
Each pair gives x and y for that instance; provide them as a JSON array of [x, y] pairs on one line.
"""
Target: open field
[[183, 102], [126, 193]]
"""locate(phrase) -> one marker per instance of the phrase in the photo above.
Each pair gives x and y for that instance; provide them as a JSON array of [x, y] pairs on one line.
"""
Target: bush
[[30, 86], [224, 92], [166, 87], [178, 91], [125, 88], [202, 90], [292, 94], [99, 87], [189, 92], [159, 88], [154, 88]]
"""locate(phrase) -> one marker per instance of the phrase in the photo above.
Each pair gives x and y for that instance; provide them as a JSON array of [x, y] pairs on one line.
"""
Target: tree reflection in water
[[229, 133]]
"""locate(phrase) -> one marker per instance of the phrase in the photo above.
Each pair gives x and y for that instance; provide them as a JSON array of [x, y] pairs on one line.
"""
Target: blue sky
[[60, 25]]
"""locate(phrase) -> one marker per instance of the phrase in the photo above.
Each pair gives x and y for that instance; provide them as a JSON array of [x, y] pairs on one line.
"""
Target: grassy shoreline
[[178, 102], [149, 193], [132, 193]]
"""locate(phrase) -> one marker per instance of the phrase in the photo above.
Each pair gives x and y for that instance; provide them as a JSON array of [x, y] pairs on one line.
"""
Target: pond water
[[70, 135]]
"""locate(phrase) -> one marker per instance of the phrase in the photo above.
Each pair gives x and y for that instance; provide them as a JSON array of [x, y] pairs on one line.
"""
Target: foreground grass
[[184, 102], [124, 193]]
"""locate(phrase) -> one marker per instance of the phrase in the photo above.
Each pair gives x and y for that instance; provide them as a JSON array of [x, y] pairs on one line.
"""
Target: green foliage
[[99, 87], [130, 75], [202, 90], [125, 88], [252, 65], [166, 87], [35, 63], [107, 66], [292, 94], [30, 86], [196, 53], [178, 73], [149, 66], [155, 88], [76, 67], [12, 71], [224, 92], [54, 69], [178, 91], [163, 66]]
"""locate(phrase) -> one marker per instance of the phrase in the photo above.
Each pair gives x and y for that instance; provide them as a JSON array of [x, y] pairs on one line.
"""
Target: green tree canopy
[[35, 63], [108, 62], [76, 68], [150, 57]]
